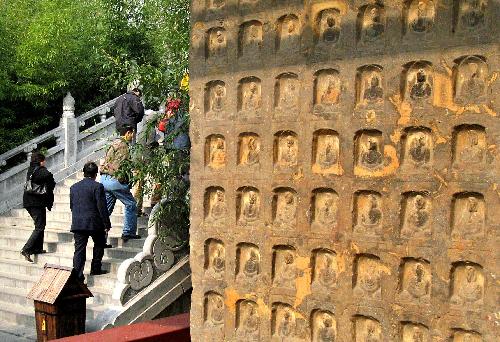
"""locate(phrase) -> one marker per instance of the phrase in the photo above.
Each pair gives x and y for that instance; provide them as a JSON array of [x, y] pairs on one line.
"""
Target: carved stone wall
[[345, 170]]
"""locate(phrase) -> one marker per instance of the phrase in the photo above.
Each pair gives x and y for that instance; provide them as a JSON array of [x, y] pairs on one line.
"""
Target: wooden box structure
[[59, 303]]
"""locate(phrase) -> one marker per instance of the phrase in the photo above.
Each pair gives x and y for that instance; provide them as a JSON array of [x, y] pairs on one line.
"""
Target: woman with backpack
[[38, 195]]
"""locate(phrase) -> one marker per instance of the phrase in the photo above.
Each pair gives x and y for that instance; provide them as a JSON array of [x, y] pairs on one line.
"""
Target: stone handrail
[[72, 150]]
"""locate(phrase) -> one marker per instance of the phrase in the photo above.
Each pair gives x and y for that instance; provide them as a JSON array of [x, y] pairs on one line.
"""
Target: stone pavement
[[15, 333]]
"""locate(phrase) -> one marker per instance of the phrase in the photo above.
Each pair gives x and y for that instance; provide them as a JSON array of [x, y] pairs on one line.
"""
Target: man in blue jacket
[[90, 218]]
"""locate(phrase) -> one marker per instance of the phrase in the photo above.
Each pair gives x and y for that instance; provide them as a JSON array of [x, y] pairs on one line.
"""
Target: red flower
[[173, 104]]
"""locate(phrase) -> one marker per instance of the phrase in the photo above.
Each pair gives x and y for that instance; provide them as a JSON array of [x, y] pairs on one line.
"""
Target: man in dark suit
[[90, 217]]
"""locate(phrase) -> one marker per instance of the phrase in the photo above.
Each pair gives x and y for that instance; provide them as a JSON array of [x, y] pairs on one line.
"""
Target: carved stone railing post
[[70, 126]]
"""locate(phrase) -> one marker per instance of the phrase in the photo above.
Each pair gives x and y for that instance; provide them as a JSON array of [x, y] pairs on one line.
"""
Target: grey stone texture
[[345, 170]]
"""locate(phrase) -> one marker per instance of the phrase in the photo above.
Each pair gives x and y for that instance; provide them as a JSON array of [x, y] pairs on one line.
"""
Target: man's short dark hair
[[90, 169], [125, 129], [137, 90], [37, 157]]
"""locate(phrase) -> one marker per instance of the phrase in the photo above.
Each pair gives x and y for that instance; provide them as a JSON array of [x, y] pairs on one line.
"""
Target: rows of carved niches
[[418, 214], [327, 25], [373, 156], [470, 81], [412, 283]]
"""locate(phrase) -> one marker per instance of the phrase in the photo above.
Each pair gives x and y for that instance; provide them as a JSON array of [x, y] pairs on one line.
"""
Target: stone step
[[19, 281], [18, 242], [17, 314], [22, 216], [115, 252], [64, 207]]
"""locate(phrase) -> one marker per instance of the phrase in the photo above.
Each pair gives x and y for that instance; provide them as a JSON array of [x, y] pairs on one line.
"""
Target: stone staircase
[[17, 276]]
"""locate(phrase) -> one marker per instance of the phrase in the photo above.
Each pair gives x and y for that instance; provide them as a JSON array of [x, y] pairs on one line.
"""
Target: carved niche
[[466, 336], [215, 99], [286, 149], [214, 310], [418, 148], [369, 86], [323, 326], [327, 88], [414, 332], [284, 267], [215, 4], [248, 149], [249, 96], [247, 320], [248, 205], [325, 270], [215, 259], [288, 35], [215, 151], [420, 16], [250, 38], [248, 261], [215, 205], [470, 14], [368, 213], [369, 150], [416, 215], [415, 280], [325, 152], [467, 284], [418, 82], [367, 329], [469, 146], [469, 216], [471, 80], [285, 207], [328, 26], [324, 209], [216, 45], [286, 94], [283, 322], [370, 23], [367, 277]]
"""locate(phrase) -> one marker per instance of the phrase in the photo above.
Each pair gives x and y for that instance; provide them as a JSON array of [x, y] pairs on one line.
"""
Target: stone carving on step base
[[471, 80], [248, 262], [368, 213], [249, 97], [215, 152], [325, 270], [247, 321], [249, 149], [466, 336], [471, 15], [164, 246], [324, 209], [419, 83], [327, 89], [213, 311], [369, 86], [368, 278], [367, 329], [286, 98], [285, 208], [288, 39], [216, 43], [286, 149], [413, 332], [215, 206], [416, 216], [284, 322], [416, 281], [468, 216], [248, 206], [284, 268], [369, 151], [470, 146], [215, 98], [323, 326], [328, 26], [326, 159], [420, 16], [215, 259], [418, 149], [467, 286], [250, 38], [371, 26]]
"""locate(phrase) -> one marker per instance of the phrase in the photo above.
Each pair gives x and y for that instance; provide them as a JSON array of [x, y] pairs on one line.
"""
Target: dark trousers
[[35, 242], [81, 239]]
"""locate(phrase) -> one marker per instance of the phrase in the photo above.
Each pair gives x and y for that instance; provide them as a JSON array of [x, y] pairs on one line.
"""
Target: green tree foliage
[[93, 48]]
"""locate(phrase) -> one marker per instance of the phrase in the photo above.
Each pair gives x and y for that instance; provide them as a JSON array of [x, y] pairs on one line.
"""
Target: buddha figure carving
[[217, 97], [217, 261], [325, 209], [327, 88], [287, 150], [252, 37], [472, 13], [214, 306], [288, 93], [471, 80], [251, 96], [420, 87], [368, 278], [217, 155], [421, 15], [216, 42], [289, 34], [419, 150], [217, 206], [416, 217], [415, 333], [249, 207], [284, 269], [251, 266], [373, 25], [286, 208], [327, 152], [249, 321], [468, 285], [325, 273], [372, 91], [370, 152], [466, 336], [470, 146], [323, 327], [469, 217], [214, 4], [416, 283], [285, 323], [329, 25], [368, 214], [367, 330], [249, 150]]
